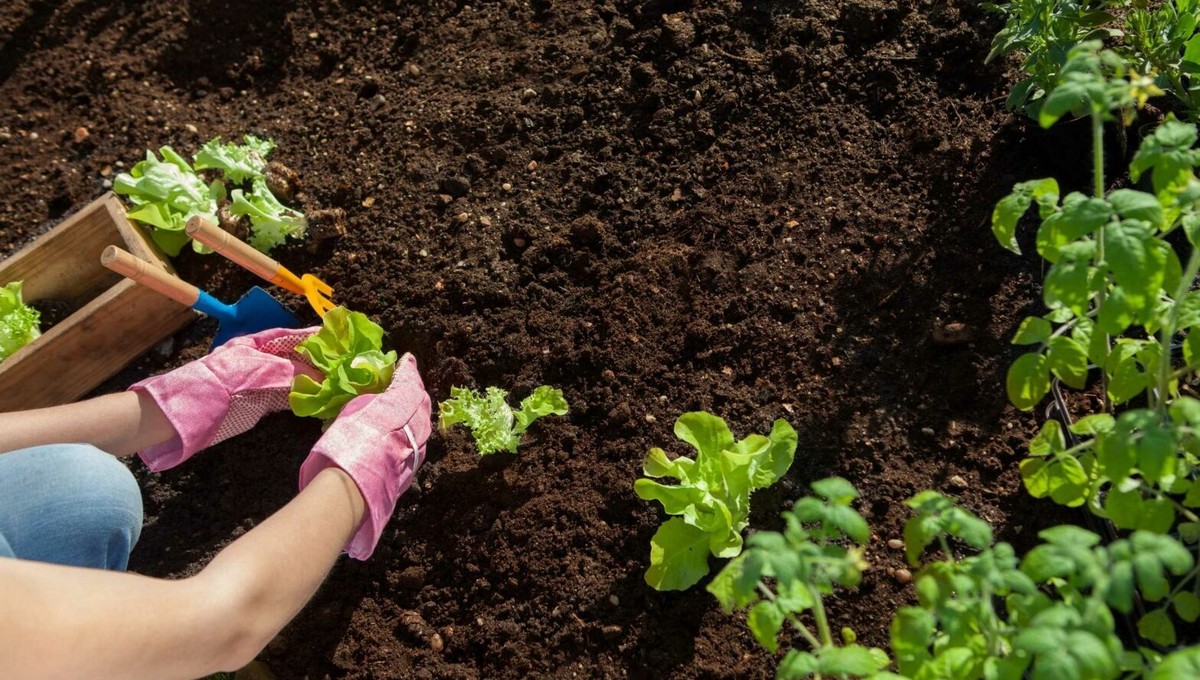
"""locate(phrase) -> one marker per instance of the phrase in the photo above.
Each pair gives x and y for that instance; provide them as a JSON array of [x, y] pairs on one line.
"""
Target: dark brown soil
[[764, 209]]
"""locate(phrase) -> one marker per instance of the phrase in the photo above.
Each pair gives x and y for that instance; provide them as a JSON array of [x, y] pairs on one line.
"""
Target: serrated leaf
[[1138, 205]]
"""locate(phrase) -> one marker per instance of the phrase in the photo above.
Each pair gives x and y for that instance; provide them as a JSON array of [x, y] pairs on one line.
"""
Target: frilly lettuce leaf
[[18, 321], [166, 194], [237, 162], [271, 222], [712, 497], [493, 423], [348, 350]]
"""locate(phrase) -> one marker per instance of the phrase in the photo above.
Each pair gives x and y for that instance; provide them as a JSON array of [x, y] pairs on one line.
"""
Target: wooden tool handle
[[149, 276], [231, 247]]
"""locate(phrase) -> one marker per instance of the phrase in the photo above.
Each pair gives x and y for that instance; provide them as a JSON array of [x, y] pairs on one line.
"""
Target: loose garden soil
[[763, 209]]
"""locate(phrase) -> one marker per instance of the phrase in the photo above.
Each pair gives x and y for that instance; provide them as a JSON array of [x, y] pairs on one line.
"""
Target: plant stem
[[946, 548], [796, 623], [1098, 190], [1168, 330], [822, 621]]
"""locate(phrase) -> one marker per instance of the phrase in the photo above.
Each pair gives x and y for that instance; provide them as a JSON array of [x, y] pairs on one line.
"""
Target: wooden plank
[[93, 344], [118, 320]]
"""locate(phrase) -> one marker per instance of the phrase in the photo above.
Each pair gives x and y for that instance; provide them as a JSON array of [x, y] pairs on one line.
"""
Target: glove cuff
[[380, 489], [189, 397]]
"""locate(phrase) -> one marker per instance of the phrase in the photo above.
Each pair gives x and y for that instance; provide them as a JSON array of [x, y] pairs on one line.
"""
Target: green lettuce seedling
[[348, 350], [271, 222], [238, 163], [712, 499], [494, 425], [166, 194], [18, 321]]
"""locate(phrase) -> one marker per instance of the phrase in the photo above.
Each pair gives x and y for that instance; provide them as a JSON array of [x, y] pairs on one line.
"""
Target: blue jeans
[[70, 504]]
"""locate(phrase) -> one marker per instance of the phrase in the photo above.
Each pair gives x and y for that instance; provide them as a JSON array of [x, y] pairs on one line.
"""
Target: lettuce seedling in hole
[[348, 350], [271, 222], [712, 499], [166, 194], [494, 425], [18, 321]]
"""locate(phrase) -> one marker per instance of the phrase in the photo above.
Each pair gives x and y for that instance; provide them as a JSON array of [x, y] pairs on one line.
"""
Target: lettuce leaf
[[166, 194], [237, 162], [493, 423], [348, 350], [712, 499], [271, 222], [18, 321]]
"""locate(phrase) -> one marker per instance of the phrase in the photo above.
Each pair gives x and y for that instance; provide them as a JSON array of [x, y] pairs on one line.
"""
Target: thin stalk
[[1098, 190], [821, 619], [946, 548], [1168, 330], [796, 623]]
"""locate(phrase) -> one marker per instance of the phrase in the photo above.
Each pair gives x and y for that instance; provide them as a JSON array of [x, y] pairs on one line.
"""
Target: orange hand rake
[[316, 290]]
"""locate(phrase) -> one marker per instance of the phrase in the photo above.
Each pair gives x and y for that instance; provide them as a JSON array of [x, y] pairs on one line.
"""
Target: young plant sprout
[[348, 350], [712, 498], [18, 321], [494, 425]]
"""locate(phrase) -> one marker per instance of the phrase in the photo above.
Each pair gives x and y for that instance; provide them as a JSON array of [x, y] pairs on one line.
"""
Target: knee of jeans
[[106, 488]]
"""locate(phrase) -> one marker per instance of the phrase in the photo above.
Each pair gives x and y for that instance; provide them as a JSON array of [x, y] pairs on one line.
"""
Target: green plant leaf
[[1028, 380], [1185, 663], [1068, 360], [678, 556], [765, 619], [19, 323], [238, 162], [347, 349], [1138, 205], [1034, 330], [544, 401], [271, 222], [1186, 605], [1009, 210], [1157, 628]]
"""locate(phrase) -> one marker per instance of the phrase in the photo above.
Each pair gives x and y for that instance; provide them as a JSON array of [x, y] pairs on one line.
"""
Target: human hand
[[379, 440], [224, 393]]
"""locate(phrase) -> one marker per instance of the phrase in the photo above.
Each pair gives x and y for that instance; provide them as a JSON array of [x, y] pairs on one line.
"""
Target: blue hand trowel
[[256, 311]]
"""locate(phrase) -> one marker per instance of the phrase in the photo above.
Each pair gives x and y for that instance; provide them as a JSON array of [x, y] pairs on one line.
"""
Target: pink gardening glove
[[379, 440], [225, 393]]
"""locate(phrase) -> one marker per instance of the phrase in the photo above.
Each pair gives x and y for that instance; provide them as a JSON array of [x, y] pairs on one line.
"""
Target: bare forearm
[[64, 622], [121, 424]]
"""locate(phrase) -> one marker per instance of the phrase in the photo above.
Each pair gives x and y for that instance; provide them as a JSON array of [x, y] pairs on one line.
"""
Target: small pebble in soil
[[107, 183], [413, 70], [485, 221], [958, 482], [954, 333], [895, 544], [928, 431], [903, 575], [462, 218], [614, 600], [33, 135], [608, 375], [423, 253], [81, 134], [368, 201], [533, 165], [611, 631], [528, 93], [650, 418], [791, 224], [191, 128], [506, 186]]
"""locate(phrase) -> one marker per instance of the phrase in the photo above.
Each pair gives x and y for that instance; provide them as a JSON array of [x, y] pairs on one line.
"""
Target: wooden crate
[[116, 320]]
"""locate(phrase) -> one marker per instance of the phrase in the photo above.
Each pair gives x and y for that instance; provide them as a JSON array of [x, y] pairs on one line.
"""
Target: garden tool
[[316, 290], [256, 311]]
